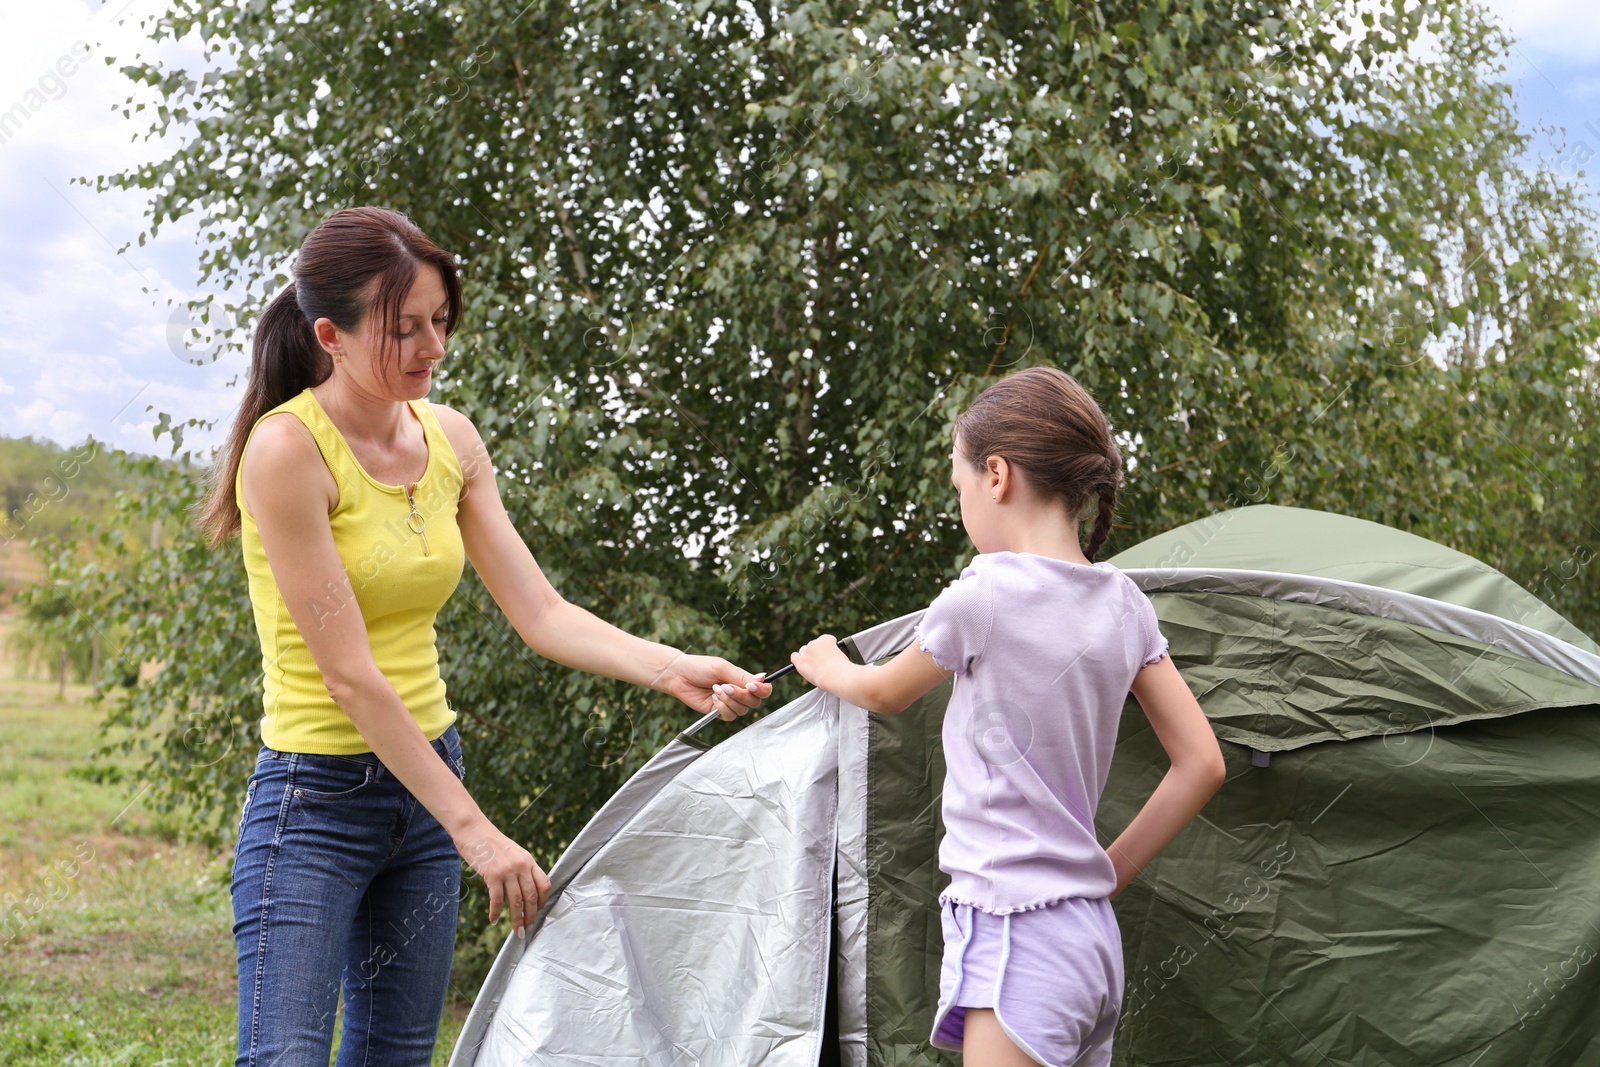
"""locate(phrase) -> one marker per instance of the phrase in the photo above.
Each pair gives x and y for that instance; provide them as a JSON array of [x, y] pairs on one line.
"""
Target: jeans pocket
[[449, 749], [321, 777]]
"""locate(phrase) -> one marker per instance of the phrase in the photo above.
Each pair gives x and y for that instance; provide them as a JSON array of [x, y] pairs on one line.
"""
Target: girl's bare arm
[[1195, 774], [886, 689]]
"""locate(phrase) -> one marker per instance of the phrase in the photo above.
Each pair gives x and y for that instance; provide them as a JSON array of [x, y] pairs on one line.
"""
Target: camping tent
[[1402, 868]]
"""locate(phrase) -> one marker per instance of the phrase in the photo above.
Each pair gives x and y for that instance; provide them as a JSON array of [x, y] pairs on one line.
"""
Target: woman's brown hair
[[1044, 423], [356, 259]]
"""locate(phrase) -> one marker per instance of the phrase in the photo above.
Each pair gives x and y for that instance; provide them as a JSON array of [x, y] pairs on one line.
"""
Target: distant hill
[[42, 487], [43, 484], [18, 567]]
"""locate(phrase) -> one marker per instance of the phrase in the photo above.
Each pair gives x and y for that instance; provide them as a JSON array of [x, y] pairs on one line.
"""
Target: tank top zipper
[[421, 523]]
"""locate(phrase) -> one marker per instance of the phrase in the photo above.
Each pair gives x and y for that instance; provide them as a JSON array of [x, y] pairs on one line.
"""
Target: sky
[[85, 348], [95, 339]]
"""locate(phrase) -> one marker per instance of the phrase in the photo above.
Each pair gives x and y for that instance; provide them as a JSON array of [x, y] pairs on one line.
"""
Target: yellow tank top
[[398, 587]]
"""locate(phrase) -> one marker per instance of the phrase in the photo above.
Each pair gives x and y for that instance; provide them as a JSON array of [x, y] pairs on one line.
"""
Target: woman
[[356, 502]]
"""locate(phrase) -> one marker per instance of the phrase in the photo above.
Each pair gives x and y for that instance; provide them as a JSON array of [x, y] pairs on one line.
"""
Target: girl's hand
[[509, 872], [711, 683], [819, 659]]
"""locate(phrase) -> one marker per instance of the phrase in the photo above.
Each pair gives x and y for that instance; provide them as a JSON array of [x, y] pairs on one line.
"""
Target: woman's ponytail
[[358, 260], [285, 358]]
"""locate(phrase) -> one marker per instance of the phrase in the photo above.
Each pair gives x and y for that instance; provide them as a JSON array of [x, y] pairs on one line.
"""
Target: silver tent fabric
[[614, 814], [690, 922], [850, 909], [1480, 626]]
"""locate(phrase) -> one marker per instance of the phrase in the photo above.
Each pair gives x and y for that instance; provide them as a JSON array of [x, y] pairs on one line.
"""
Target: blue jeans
[[339, 874]]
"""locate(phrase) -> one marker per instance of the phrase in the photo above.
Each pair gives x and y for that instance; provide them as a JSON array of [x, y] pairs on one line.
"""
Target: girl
[[1045, 645], [357, 503]]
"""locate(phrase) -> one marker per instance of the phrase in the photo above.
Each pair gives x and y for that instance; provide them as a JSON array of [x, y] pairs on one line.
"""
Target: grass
[[116, 943]]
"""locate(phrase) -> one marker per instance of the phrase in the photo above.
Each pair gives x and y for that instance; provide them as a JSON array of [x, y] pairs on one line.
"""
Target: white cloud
[[86, 348], [1565, 29], [43, 418]]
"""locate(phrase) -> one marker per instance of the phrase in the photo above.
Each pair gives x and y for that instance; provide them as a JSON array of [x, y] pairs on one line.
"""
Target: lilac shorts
[[1053, 976]]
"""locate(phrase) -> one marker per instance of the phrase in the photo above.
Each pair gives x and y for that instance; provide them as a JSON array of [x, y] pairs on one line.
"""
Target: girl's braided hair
[[1044, 423]]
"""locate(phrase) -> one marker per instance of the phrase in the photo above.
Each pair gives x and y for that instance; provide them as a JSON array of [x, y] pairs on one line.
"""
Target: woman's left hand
[[711, 683]]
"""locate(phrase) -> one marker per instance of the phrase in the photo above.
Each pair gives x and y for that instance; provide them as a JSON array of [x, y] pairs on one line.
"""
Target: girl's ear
[[997, 477]]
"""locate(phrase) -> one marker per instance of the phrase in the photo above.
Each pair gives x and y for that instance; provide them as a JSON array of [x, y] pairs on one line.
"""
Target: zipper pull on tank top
[[421, 523]]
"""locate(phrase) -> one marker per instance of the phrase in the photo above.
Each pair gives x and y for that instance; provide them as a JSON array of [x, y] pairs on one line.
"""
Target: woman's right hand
[[509, 871]]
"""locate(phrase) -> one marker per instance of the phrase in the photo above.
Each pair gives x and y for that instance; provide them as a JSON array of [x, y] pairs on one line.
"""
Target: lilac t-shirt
[[1044, 652]]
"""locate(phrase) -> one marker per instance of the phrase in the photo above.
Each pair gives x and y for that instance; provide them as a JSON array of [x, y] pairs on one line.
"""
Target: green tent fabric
[[1403, 867], [1274, 675], [1417, 899], [1300, 541]]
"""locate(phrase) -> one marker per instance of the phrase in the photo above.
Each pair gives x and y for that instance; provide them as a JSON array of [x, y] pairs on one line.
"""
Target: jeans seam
[[261, 937], [249, 795], [366, 1048]]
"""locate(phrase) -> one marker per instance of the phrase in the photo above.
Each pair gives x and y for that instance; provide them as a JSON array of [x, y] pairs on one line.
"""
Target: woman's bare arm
[[1195, 774], [560, 630], [281, 463]]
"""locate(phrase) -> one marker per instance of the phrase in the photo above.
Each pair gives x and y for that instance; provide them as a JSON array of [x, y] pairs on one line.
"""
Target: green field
[[115, 942]]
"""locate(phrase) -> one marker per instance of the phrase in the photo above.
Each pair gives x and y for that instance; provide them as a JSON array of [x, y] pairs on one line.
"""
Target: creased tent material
[[1414, 879], [690, 920], [1276, 675]]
